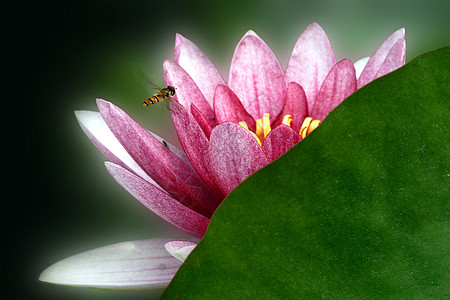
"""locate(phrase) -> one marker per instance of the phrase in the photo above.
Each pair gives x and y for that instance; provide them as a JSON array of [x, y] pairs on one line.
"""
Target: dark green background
[[59, 199]]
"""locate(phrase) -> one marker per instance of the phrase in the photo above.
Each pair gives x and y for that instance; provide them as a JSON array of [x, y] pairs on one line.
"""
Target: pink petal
[[338, 85], [195, 144], [198, 66], [394, 60], [295, 105], [180, 249], [187, 92], [280, 140], [201, 120], [311, 60], [376, 61], [233, 155], [165, 167], [159, 202], [102, 137], [133, 265], [175, 150], [228, 107], [256, 77]]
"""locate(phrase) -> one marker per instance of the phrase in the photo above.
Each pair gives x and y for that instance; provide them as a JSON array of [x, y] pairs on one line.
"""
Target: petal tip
[[180, 249], [179, 37], [314, 26], [179, 40], [102, 103], [167, 62], [84, 116], [78, 113], [110, 165], [168, 65], [250, 33], [44, 276]]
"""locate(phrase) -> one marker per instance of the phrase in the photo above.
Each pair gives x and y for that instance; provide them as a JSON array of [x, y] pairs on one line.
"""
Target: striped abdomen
[[153, 100]]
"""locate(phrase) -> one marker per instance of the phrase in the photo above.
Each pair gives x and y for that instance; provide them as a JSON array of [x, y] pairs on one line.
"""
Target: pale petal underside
[[359, 65], [180, 249], [143, 264], [101, 136]]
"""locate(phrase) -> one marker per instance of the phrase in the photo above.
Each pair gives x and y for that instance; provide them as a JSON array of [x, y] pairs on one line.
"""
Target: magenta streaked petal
[[198, 66], [338, 85], [360, 65], [311, 60], [165, 167], [187, 91], [133, 265], [201, 120], [180, 249], [376, 60], [175, 150], [101, 136], [295, 105], [233, 155], [195, 144], [160, 202], [256, 77], [394, 60], [280, 140], [228, 107]]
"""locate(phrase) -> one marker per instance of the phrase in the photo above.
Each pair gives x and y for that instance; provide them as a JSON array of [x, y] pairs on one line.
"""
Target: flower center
[[308, 126], [263, 126]]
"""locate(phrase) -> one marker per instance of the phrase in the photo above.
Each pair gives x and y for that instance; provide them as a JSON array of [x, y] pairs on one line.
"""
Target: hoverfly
[[163, 94]]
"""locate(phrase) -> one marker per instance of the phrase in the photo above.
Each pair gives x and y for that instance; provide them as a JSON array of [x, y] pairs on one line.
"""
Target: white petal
[[99, 133], [143, 264], [360, 65], [180, 249]]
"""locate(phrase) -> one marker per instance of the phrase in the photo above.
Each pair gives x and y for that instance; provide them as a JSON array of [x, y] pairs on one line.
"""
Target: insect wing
[[171, 103], [153, 86]]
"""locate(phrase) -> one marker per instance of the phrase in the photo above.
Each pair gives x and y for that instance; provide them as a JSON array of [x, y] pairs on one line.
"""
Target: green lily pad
[[358, 210]]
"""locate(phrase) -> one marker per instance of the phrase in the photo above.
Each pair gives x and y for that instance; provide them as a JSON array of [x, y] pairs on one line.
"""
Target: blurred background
[[59, 199]]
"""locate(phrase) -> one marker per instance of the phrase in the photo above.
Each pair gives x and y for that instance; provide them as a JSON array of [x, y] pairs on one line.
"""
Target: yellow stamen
[[259, 129], [308, 126], [314, 124], [304, 128], [263, 126], [287, 120], [244, 124], [266, 124]]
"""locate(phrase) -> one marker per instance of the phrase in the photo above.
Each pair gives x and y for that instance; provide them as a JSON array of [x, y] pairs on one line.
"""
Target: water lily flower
[[228, 131]]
